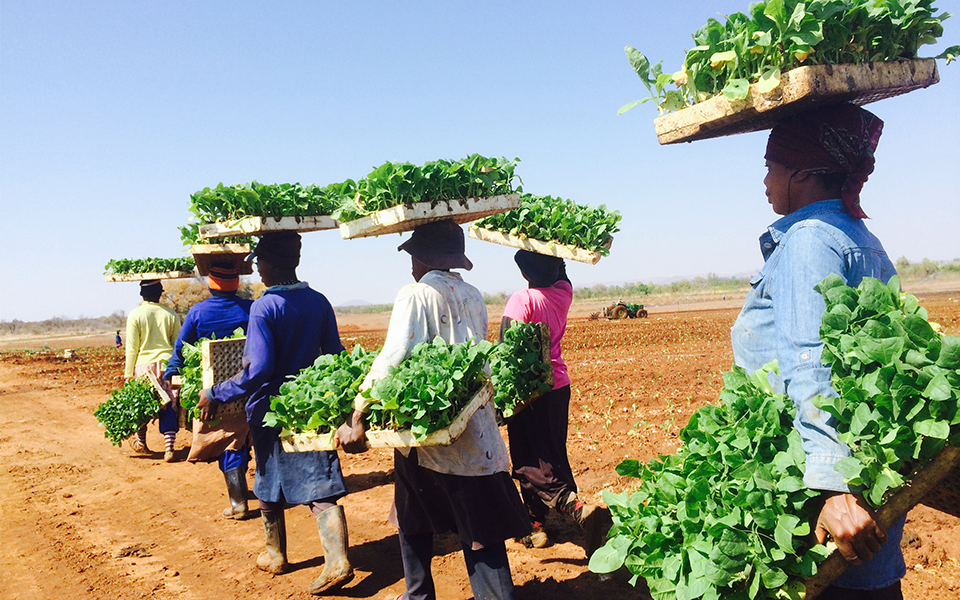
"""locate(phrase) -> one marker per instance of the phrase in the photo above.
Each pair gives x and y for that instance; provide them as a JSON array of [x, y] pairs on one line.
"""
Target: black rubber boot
[[274, 558], [237, 491], [594, 520], [332, 525]]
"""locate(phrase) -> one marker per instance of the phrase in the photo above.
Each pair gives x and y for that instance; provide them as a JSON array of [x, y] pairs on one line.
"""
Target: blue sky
[[113, 113]]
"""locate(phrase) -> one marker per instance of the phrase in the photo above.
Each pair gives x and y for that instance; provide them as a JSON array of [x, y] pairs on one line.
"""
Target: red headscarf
[[840, 138]]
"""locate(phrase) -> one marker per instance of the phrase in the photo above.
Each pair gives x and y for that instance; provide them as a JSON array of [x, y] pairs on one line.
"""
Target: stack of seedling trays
[[150, 268], [393, 198], [554, 227]]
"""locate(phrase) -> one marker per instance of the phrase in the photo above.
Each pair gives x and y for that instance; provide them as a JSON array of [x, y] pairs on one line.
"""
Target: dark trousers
[[538, 451], [838, 593], [487, 568]]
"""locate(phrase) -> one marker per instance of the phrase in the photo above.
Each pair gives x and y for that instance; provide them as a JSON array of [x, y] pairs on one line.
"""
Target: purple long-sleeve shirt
[[290, 326]]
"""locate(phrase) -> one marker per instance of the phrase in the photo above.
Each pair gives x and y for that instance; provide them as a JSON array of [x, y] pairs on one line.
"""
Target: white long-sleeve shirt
[[444, 305]]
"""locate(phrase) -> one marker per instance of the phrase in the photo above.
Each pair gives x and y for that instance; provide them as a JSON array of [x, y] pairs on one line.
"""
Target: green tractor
[[622, 310]]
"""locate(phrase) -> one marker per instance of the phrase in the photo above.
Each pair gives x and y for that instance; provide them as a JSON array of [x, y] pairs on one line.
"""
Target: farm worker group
[[227, 442], [817, 163]]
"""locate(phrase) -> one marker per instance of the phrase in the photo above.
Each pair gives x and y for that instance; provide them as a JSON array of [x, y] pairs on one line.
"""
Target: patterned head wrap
[[840, 138]]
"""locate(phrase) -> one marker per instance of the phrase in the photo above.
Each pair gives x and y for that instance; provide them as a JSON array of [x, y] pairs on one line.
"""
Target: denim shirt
[[781, 319]]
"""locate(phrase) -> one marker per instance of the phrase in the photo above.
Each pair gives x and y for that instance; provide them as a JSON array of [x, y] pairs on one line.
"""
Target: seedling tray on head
[[538, 246], [206, 254], [405, 217], [262, 225], [220, 361], [114, 277], [800, 89], [920, 485]]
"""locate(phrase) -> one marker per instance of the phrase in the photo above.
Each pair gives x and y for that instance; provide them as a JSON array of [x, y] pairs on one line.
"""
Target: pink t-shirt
[[545, 305]]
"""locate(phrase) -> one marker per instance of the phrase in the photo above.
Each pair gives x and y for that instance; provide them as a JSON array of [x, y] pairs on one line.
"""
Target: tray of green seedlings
[[430, 398], [256, 208], [520, 367], [785, 56], [142, 269], [313, 404], [397, 197], [228, 359], [552, 226], [728, 515]]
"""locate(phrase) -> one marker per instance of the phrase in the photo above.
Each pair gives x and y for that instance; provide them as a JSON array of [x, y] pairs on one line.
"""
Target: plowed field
[[84, 519]]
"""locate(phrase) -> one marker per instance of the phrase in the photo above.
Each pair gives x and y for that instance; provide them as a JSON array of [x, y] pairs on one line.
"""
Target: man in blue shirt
[[817, 164], [290, 326], [218, 317]]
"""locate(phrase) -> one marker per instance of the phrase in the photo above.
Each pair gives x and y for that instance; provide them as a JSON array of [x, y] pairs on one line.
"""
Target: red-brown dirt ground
[[84, 519]]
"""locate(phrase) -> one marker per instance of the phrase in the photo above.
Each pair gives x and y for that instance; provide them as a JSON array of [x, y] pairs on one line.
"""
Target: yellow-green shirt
[[152, 329]]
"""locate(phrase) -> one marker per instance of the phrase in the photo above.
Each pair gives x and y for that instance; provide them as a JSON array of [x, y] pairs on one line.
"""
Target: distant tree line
[[182, 294]]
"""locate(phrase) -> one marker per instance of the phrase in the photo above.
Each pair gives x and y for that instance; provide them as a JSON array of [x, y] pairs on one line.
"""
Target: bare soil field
[[84, 519]]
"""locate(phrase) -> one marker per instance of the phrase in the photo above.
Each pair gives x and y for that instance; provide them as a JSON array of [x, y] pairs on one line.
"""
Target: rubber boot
[[594, 520], [332, 525], [237, 491], [274, 558]]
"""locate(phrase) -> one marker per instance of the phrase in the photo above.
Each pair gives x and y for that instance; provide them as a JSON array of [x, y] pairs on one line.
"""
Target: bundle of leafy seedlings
[[320, 397], [779, 35], [517, 369], [549, 219], [392, 184], [148, 265], [427, 391], [127, 409], [191, 374], [685, 529], [254, 199], [728, 515], [898, 381]]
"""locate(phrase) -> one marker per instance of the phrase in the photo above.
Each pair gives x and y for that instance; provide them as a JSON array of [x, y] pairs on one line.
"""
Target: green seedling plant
[[517, 369], [320, 398], [127, 409], [689, 535], [728, 515], [779, 35], [125, 266], [557, 221], [897, 379], [428, 389], [191, 374]]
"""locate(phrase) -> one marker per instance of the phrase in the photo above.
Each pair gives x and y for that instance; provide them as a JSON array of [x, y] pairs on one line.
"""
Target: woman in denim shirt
[[817, 162]]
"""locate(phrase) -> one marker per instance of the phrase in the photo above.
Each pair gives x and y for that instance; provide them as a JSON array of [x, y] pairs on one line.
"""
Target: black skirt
[[482, 510]]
